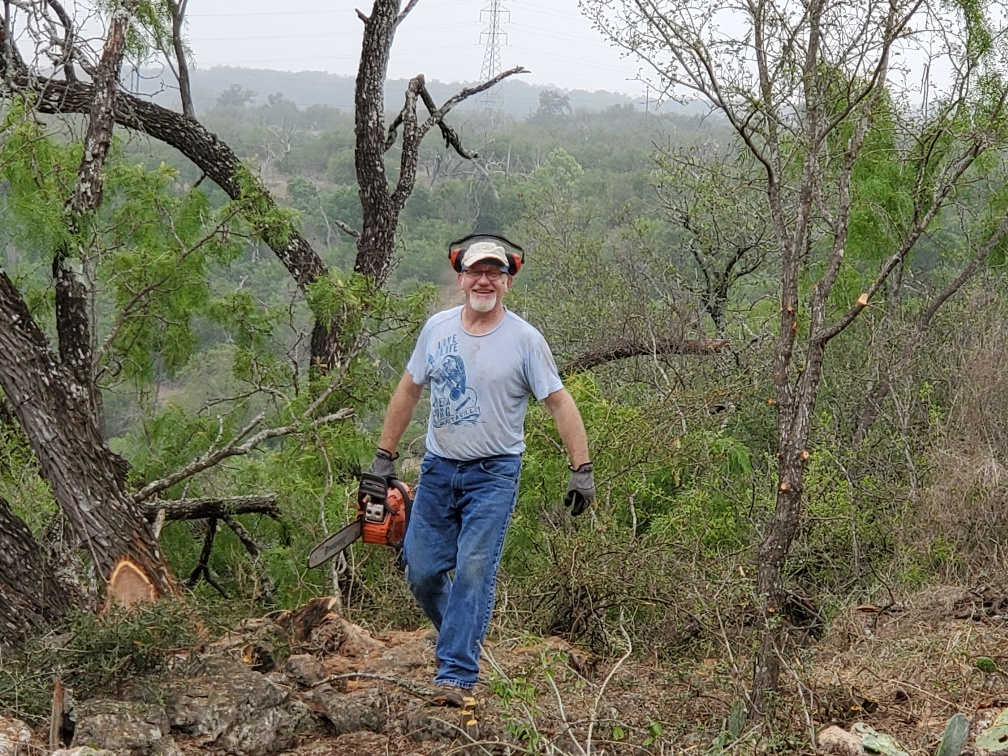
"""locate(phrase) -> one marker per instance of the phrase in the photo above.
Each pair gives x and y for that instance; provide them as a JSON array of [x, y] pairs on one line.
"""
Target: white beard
[[482, 303]]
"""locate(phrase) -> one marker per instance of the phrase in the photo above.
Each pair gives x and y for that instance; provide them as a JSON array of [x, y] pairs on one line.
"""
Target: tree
[[716, 202], [56, 401], [236, 96], [553, 104], [802, 84], [54, 396]]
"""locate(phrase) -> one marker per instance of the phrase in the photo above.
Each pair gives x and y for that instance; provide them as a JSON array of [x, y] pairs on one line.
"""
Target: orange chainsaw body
[[384, 516], [383, 512]]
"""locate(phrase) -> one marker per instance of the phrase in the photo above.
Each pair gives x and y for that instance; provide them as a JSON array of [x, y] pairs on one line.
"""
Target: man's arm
[[400, 412], [569, 425]]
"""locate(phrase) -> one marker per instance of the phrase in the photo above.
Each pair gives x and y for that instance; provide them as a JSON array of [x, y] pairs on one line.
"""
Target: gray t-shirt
[[480, 385]]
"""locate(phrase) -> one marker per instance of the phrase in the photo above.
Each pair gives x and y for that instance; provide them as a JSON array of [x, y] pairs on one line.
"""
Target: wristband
[[386, 454]]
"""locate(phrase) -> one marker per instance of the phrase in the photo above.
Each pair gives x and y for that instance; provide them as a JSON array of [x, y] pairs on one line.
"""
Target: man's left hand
[[581, 489]]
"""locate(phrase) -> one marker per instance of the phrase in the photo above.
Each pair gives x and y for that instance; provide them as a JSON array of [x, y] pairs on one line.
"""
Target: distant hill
[[305, 88]]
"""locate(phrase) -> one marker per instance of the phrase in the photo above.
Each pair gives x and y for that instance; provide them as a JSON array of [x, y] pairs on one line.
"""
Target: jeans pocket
[[508, 467], [428, 463]]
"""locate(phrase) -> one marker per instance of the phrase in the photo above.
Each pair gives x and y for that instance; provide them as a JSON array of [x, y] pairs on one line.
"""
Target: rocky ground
[[308, 682]]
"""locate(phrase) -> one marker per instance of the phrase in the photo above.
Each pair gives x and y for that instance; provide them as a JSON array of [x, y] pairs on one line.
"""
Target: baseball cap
[[484, 251]]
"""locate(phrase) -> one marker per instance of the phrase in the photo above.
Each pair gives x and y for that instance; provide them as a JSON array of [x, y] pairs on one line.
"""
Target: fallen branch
[[243, 535], [202, 509], [625, 348]]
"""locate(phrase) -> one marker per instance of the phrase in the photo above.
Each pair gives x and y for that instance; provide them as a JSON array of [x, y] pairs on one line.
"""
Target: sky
[[446, 40]]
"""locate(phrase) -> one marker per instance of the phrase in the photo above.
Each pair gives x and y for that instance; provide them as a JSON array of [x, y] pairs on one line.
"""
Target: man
[[481, 362]]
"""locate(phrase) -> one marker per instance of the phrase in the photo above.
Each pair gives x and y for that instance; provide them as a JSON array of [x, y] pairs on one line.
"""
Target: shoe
[[450, 695]]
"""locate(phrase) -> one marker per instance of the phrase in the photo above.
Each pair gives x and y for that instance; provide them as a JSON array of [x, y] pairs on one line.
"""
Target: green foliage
[[38, 173], [98, 656], [985, 664], [519, 702], [150, 31], [21, 486], [168, 242]]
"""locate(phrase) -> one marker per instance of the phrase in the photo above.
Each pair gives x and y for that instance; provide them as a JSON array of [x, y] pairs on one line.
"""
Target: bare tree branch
[[234, 449], [626, 348]]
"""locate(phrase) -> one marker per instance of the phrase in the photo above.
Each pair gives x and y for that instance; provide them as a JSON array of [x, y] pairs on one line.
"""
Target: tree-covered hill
[[517, 99]]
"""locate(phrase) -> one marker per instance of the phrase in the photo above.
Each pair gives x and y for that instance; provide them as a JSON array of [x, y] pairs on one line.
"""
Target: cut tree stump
[[128, 586]]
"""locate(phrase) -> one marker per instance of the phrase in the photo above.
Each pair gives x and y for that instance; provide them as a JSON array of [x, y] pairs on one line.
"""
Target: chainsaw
[[383, 511]]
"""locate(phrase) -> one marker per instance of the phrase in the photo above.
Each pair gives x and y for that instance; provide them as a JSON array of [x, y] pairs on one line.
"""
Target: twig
[[408, 685], [234, 449], [561, 712], [605, 682]]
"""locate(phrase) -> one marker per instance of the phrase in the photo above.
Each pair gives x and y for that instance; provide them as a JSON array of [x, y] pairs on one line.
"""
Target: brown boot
[[450, 695]]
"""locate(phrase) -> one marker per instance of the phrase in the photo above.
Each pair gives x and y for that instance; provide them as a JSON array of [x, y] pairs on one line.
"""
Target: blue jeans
[[460, 516]]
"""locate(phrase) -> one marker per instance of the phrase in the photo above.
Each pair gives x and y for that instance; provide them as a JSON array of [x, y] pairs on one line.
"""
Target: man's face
[[484, 285]]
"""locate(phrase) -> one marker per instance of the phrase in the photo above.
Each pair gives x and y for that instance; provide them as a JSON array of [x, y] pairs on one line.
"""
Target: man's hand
[[384, 464], [581, 489]]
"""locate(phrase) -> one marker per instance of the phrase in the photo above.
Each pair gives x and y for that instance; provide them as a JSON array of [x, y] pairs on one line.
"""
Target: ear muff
[[455, 258]]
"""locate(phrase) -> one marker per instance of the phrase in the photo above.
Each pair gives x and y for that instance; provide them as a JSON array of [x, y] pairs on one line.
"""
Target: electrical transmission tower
[[490, 99]]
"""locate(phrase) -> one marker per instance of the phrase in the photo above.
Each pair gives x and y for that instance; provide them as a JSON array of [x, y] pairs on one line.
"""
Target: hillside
[[881, 680], [306, 88]]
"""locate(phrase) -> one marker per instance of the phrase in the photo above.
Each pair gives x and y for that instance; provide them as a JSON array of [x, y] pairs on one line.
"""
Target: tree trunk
[[55, 413], [31, 597], [773, 554], [70, 266], [374, 245]]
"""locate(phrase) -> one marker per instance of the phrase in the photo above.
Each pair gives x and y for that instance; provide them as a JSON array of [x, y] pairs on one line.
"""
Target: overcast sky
[[446, 40]]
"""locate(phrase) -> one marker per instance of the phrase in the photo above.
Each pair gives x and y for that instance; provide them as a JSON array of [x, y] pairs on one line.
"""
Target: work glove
[[384, 464], [581, 489]]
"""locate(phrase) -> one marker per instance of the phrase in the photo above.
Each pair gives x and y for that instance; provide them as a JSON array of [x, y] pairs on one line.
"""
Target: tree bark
[[31, 597], [55, 413], [70, 267], [198, 509]]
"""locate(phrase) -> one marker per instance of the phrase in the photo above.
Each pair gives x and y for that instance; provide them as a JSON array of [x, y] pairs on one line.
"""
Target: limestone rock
[[124, 727], [234, 709], [15, 737], [836, 740], [352, 712]]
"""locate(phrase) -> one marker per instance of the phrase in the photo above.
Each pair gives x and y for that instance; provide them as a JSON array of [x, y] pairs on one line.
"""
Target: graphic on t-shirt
[[452, 401]]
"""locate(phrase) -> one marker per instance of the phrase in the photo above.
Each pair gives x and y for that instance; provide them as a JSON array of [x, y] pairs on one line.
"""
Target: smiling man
[[481, 363]]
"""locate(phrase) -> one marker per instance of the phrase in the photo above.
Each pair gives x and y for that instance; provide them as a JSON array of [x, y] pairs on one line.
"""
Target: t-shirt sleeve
[[418, 365], [541, 370]]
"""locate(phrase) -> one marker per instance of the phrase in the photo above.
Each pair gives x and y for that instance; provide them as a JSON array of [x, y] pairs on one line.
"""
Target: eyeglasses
[[492, 274]]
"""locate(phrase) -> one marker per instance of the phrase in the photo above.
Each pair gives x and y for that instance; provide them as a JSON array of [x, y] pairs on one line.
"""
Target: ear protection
[[514, 253]]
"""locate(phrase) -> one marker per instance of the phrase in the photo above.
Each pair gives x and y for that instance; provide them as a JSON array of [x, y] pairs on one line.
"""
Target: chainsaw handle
[[407, 499]]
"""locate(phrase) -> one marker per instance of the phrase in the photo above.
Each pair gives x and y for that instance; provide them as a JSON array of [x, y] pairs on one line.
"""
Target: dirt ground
[[901, 670]]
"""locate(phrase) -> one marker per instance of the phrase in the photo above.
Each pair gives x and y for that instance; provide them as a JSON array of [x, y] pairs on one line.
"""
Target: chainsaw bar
[[335, 543]]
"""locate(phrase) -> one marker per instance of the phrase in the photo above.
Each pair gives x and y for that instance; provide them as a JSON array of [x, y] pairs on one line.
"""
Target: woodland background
[[688, 269]]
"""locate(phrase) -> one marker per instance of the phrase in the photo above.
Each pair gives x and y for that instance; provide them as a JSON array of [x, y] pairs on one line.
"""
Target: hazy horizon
[[446, 40]]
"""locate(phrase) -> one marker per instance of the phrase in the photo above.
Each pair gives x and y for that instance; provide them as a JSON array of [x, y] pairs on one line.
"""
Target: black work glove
[[581, 489], [384, 464]]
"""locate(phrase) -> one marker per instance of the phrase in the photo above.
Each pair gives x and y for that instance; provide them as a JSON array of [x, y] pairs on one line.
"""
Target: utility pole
[[490, 99]]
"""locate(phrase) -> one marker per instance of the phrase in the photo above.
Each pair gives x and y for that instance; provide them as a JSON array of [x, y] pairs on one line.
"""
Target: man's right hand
[[384, 464]]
